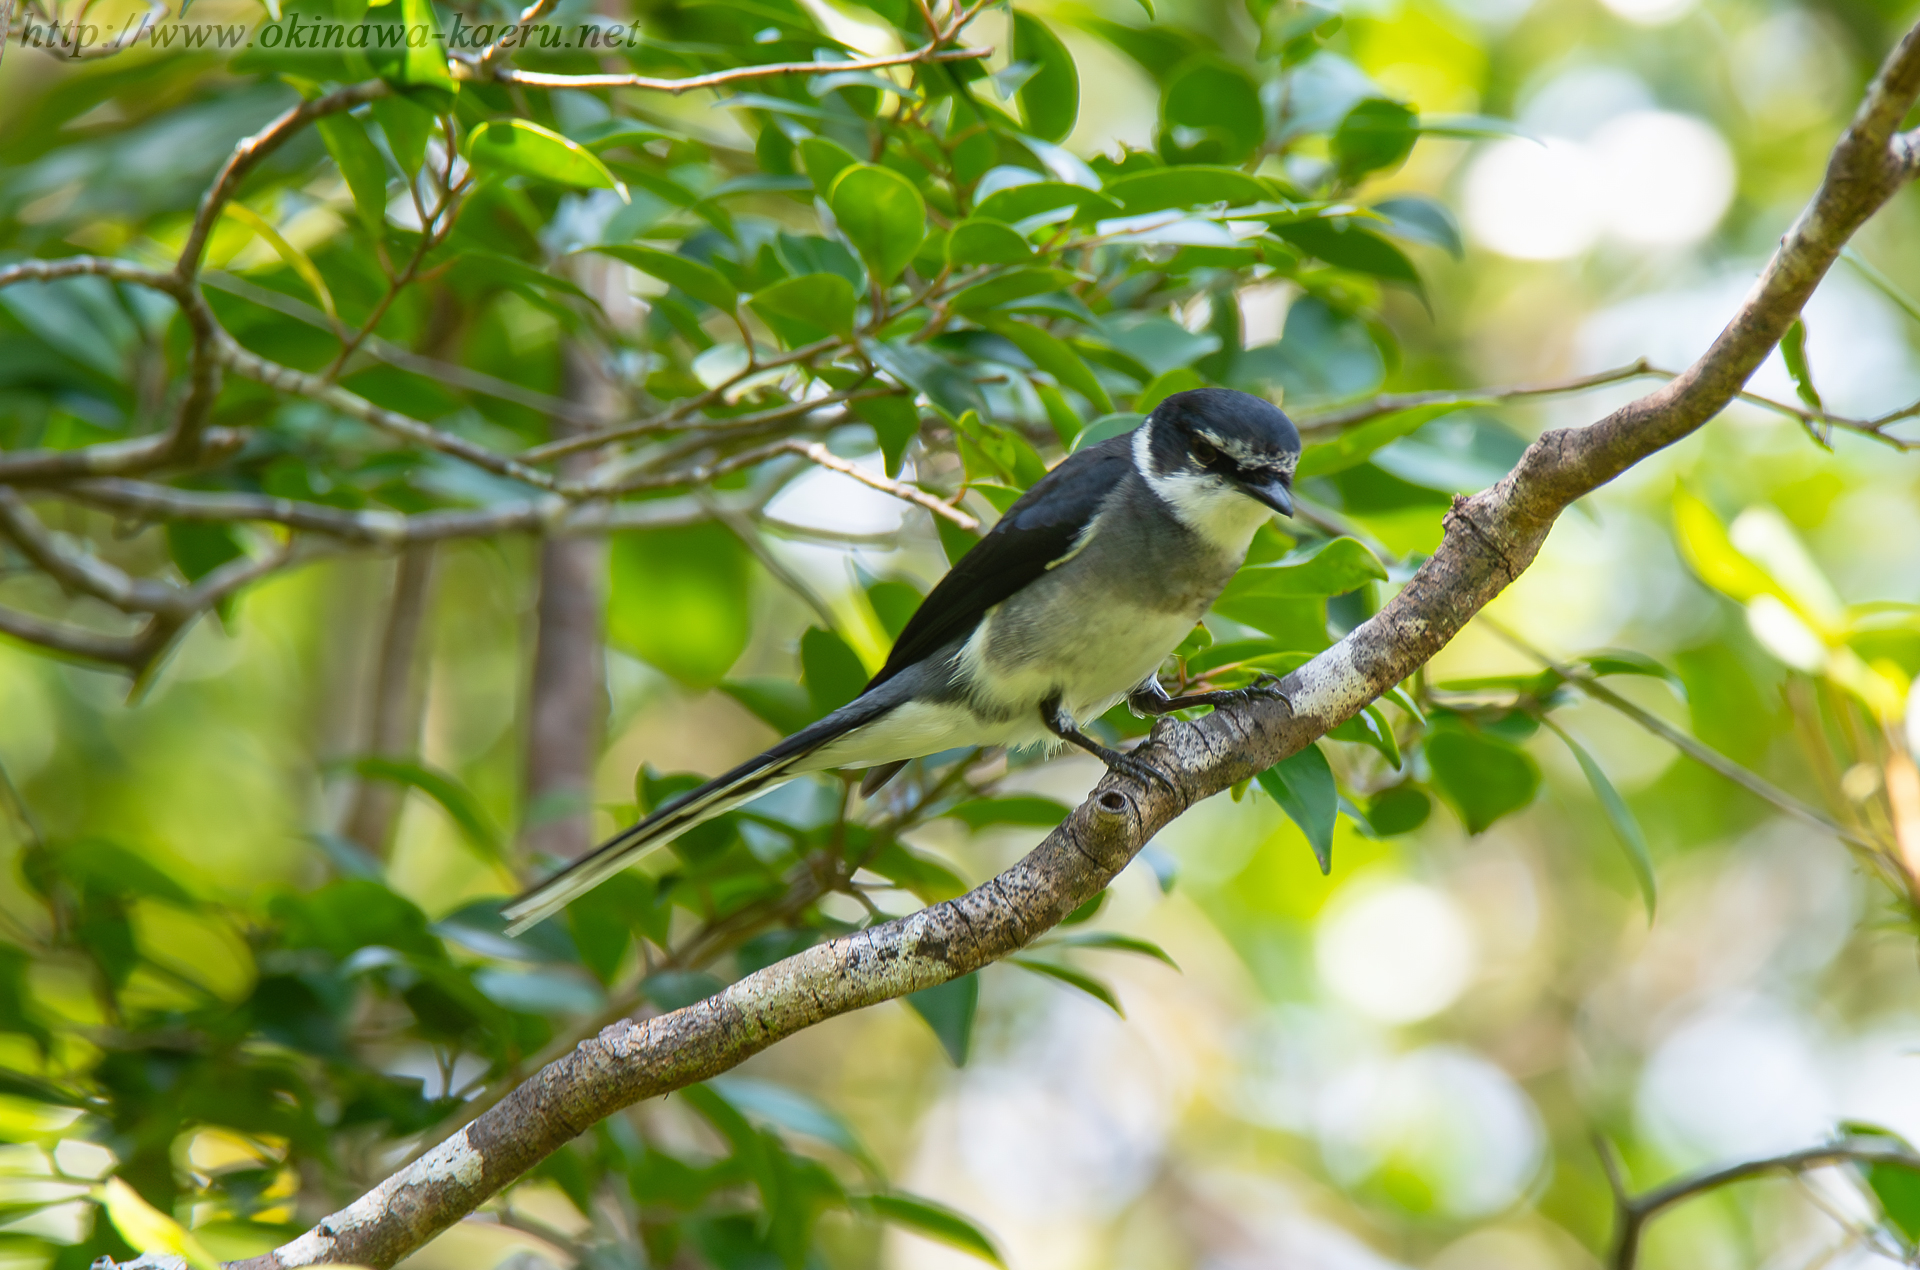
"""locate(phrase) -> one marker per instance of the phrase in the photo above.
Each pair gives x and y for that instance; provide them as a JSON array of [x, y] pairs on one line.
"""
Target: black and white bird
[[1067, 606]]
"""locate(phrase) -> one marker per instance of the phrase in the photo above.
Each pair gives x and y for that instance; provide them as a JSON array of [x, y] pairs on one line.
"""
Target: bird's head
[[1208, 450]]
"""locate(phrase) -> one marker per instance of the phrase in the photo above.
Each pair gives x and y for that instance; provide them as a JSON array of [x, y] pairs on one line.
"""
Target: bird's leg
[[1061, 724], [1150, 699]]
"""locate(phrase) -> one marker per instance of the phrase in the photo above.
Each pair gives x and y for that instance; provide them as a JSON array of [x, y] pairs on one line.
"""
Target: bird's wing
[[1041, 528]]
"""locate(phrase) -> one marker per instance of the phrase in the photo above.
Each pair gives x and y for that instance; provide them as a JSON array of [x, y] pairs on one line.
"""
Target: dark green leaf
[[824, 299], [1897, 1187], [1107, 427], [948, 1009], [882, 214], [1351, 247], [926, 876], [360, 164], [1018, 202], [1483, 778], [1051, 355], [1073, 979], [1398, 809], [198, 547], [1376, 134], [1050, 98], [1303, 785], [831, 670], [407, 126], [1189, 185], [895, 424], [423, 66], [935, 1221]]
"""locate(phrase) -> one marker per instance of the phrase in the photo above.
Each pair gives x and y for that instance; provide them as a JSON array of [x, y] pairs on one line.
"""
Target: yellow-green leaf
[[882, 215], [296, 259], [702, 282], [524, 148], [147, 1228]]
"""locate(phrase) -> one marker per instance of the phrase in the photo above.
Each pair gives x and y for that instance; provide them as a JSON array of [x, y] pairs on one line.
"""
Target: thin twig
[[925, 53], [1692, 748], [816, 453], [1637, 1211]]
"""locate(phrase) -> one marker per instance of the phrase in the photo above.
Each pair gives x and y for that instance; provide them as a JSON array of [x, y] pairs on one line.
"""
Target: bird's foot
[[1138, 770], [1265, 688]]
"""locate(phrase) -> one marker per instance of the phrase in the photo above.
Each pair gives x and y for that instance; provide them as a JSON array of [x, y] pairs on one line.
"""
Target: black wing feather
[[1037, 530]]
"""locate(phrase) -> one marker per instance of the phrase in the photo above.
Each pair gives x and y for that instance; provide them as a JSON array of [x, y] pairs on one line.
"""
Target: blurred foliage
[[246, 1019]]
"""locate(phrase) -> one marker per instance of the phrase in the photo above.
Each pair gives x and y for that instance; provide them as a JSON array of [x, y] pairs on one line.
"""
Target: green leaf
[[935, 1221], [1051, 355], [1376, 134], [1107, 427], [948, 1009], [832, 671], [1896, 1187], [1219, 101], [1303, 785], [1333, 566], [981, 241], [950, 390], [1619, 815], [444, 788], [825, 160], [926, 876], [1164, 385], [510, 271], [1483, 778], [782, 704], [423, 66], [360, 165], [1189, 185], [1424, 220], [1015, 203], [1351, 447], [678, 597], [601, 921], [524, 148], [1113, 941], [1050, 99], [1014, 284], [1030, 810], [148, 1229], [200, 547], [1073, 979], [895, 424], [1793, 351], [824, 299], [1348, 246], [1398, 809], [1369, 727], [882, 215], [702, 282], [408, 126], [791, 1109]]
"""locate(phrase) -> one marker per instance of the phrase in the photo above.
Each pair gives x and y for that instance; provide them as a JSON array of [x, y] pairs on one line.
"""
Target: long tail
[[697, 806]]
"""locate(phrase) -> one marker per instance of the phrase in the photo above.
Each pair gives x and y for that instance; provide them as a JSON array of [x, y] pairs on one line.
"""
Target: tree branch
[[818, 454], [1635, 1211], [718, 79], [1489, 540]]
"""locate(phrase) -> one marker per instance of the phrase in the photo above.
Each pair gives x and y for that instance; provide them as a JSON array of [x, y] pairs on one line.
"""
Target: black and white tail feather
[[694, 808]]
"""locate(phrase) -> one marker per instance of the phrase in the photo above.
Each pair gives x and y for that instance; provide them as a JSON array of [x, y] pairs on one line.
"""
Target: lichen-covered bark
[[1490, 539]]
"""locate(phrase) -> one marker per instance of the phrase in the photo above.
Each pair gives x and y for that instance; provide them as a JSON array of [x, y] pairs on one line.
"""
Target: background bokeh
[[1403, 1064]]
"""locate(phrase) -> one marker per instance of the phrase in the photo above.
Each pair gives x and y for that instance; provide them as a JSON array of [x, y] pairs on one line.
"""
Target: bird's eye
[[1204, 451]]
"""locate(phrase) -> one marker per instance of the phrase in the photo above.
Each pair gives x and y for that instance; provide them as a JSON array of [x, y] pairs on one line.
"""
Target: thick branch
[[1489, 540]]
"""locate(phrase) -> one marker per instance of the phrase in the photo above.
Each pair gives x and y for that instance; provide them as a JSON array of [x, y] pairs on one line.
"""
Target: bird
[[1068, 605]]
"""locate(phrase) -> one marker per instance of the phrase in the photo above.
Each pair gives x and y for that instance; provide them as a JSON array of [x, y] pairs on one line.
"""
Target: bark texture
[[1490, 539]]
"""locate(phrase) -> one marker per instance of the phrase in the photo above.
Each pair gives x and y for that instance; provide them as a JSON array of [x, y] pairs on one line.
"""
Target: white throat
[[1208, 505]]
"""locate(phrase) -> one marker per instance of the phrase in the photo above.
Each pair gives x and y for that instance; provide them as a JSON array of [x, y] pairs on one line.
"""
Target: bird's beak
[[1271, 493]]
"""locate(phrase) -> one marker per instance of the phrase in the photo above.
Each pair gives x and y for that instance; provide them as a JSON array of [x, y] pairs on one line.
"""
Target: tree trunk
[[399, 702], [567, 705]]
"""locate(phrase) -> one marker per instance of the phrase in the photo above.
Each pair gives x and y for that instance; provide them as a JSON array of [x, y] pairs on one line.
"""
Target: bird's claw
[[1140, 772]]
